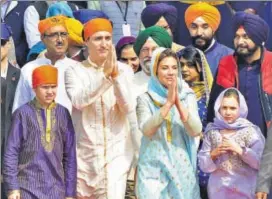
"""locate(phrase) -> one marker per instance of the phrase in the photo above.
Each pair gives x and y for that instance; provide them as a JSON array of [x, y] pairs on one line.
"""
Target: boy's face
[[46, 93]]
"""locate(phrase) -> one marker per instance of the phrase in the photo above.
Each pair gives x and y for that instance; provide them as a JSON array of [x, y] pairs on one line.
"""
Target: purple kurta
[[232, 176], [38, 167]]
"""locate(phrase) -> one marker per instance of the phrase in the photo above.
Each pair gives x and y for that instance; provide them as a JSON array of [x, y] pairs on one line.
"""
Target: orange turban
[[47, 23], [96, 25], [209, 13], [45, 74]]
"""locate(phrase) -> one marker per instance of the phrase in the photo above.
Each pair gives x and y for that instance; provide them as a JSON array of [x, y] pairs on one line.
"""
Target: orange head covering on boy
[[51, 22], [45, 74], [209, 13], [96, 25]]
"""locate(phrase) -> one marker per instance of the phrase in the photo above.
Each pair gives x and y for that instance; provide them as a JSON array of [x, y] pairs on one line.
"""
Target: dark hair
[[232, 93], [119, 51], [4, 41], [191, 55]]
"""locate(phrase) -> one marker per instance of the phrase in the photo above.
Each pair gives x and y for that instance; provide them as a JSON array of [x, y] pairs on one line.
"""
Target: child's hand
[[230, 145], [215, 153]]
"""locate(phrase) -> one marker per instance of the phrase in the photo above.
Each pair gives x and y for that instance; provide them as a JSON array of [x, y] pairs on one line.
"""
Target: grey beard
[[146, 67]]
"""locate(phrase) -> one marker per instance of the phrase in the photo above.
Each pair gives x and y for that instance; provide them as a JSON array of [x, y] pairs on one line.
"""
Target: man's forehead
[[241, 31], [102, 34], [199, 21]]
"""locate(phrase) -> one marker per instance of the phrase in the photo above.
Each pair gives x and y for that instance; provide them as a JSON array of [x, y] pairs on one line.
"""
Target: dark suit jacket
[[13, 75], [15, 19]]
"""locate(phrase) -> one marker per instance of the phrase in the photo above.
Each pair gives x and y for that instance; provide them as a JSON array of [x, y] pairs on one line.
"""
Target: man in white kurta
[[55, 37], [100, 92]]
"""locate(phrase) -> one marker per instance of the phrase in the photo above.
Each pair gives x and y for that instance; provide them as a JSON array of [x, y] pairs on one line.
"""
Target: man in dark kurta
[[202, 21], [249, 70], [40, 156]]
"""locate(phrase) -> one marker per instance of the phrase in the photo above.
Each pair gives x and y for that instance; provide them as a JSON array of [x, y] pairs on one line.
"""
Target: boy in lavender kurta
[[232, 149], [40, 156]]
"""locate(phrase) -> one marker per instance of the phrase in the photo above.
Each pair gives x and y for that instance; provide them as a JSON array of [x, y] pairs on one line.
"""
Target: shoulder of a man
[[30, 66], [225, 50]]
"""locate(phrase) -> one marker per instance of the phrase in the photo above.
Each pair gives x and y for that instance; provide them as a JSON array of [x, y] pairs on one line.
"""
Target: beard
[[245, 51], [145, 64], [203, 47]]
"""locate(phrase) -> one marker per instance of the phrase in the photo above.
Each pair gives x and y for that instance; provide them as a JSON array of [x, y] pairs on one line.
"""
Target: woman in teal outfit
[[168, 118]]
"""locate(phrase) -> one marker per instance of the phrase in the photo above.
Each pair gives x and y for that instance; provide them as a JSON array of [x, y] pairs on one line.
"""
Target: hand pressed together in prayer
[[261, 195], [172, 92], [110, 65]]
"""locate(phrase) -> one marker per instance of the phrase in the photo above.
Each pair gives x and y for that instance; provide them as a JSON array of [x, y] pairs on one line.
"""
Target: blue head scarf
[[59, 8]]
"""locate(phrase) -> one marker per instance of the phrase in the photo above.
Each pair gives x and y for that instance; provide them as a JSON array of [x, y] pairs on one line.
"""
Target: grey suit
[[265, 173]]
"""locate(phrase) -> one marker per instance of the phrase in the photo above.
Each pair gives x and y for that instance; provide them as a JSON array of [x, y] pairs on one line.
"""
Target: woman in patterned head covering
[[168, 118], [196, 72], [232, 149]]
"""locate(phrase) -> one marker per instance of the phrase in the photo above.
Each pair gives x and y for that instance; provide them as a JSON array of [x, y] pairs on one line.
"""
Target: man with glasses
[[9, 80], [54, 35]]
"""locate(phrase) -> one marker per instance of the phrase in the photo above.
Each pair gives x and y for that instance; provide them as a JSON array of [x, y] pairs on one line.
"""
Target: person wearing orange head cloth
[[40, 154], [54, 35], [202, 21], [100, 91]]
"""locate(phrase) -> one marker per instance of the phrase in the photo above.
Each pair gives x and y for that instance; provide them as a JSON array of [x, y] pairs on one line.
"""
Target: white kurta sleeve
[[23, 93], [31, 21], [81, 95]]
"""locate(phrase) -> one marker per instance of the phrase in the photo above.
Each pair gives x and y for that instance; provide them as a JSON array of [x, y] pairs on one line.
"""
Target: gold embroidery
[[47, 134], [105, 144]]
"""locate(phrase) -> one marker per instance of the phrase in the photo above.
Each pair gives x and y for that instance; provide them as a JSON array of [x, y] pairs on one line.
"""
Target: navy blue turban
[[256, 28], [84, 15], [153, 12]]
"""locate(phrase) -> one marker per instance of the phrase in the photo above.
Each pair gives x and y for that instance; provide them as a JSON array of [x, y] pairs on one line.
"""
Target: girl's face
[[167, 70], [229, 109], [189, 71]]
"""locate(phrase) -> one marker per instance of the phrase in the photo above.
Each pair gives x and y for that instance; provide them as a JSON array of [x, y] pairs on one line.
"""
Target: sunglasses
[[3, 42]]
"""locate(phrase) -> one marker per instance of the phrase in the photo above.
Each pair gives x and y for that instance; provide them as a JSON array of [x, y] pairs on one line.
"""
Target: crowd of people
[[136, 99]]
